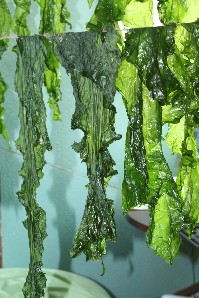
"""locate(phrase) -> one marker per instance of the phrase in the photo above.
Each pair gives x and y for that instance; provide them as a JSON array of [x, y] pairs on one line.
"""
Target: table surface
[[139, 218]]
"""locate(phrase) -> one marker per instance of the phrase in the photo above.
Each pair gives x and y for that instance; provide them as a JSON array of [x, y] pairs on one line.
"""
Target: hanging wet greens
[[93, 67], [135, 183], [32, 143], [5, 23], [180, 137], [132, 13], [162, 70], [159, 82], [22, 10], [177, 11], [53, 19]]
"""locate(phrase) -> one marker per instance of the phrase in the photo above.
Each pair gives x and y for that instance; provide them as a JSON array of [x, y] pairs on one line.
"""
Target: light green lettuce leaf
[[22, 10], [54, 17], [134, 186], [165, 206], [138, 14], [178, 11], [5, 24]]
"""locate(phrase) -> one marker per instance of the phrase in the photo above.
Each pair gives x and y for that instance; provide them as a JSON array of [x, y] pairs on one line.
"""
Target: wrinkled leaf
[[135, 183], [20, 26], [5, 23], [93, 68], [148, 49], [32, 143], [178, 11], [165, 206], [54, 17]]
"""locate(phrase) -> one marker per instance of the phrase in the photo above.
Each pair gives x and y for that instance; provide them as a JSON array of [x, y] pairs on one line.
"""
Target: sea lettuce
[[132, 13], [165, 206], [180, 137], [20, 26], [148, 49], [32, 143], [135, 183], [5, 23], [54, 17], [178, 11], [93, 66]]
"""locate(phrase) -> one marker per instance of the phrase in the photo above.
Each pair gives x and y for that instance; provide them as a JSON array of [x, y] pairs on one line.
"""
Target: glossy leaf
[[178, 11], [164, 202], [132, 13], [135, 183], [148, 49]]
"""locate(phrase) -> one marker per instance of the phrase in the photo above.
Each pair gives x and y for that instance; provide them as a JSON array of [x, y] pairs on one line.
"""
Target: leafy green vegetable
[[148, 49], [131, 12], [93, 67], [32, 143], [5, 22], [164, 202], [20, 26], [54, 18], [178, 11], [138, 14], [184, 63], [180, 137], [134, 187], [107, 13]]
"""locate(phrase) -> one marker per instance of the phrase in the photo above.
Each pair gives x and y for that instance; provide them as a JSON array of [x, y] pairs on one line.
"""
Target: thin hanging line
[[56, 34]]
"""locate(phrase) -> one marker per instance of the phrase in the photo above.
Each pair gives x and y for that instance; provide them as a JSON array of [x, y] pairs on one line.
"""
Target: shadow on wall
[[122, 249], [64, 158]]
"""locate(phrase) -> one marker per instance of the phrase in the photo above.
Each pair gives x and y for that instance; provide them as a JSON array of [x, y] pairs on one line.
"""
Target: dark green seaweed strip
[[148, 49], [93, 66], [32, 143], [107, 13], [5, 22], [135, 183]]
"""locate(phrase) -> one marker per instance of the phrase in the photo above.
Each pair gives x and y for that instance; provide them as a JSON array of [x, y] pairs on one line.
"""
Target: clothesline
[[125, 30]]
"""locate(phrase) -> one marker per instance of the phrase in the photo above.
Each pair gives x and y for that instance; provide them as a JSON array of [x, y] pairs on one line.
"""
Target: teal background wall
[[133, 271]]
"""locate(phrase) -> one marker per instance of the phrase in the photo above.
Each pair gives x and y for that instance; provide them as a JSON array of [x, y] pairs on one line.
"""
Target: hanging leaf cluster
[[156, 72]]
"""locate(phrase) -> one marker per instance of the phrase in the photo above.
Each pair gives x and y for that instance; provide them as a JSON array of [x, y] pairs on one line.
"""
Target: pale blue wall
[[133, 271]]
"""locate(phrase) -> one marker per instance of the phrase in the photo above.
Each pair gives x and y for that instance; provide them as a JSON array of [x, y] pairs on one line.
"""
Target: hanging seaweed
[[165, 205], [93, 67], [32, 143], [22, 10], [5, 22], [132, 13], [180, 137], [135, 183], [53, 19], [177, 11]]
